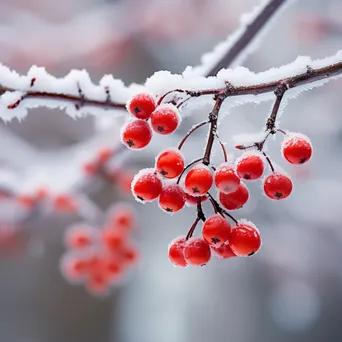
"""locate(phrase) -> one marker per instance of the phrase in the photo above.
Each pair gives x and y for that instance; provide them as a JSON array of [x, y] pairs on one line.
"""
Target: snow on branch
[[235, 48]]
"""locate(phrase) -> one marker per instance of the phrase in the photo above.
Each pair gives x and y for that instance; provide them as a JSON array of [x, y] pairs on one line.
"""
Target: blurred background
[[290, 291]]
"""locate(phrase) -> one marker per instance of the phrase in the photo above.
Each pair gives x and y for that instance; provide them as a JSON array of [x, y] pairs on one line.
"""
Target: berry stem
[[218, 208], [224, 151], [192, 130], [252, 30], [189, 165], [200, 216], [268, 160]]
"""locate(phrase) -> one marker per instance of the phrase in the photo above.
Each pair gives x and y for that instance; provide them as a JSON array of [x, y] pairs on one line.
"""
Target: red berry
[[176, 252], [112, 239], [235, 200], [198, 180], [165, 119], [112, 267], [277, 186], [191, 201], [80, 236], [65, 203], [104, 155], [250, 167], [226, 179], [244, 239], [172, 198], [142, 105], [146, 185], [98, 282], [297, 149], [224, 251], [130, 254], [136, 134], [216, 230], [121, 216], [74, 267], [170, 163], [90, 168], [197, 252]]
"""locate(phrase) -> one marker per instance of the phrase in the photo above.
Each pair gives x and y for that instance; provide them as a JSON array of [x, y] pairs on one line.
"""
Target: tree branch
[[247, 35]]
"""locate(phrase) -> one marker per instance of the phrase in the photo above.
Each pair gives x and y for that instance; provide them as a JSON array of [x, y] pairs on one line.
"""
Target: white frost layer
[[210, 59]]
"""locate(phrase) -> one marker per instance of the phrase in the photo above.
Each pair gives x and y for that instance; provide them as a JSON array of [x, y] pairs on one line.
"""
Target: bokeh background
[[290, 291]]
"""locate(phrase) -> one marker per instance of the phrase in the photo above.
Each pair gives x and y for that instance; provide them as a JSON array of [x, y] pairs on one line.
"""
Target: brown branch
[[200, 216], [248, 35]]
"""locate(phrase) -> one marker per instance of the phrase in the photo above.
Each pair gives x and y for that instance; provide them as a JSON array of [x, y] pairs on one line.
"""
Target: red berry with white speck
[[226, 179], [146, 185], [224, 251], [142, 105], [297, 149], [277, 186], [197, 252], [236, 199], [198, 180], [216, 230], [244, 239], [136, 134], [170, 163], [176, 252], [165, 119], [250, 166], [172, 198]]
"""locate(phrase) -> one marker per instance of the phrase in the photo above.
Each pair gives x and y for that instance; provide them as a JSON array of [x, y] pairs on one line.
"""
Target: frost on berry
[[146, 185], [141, 105], [198, 180], [296, 148], [250, 166], [165, 119], [170, 163], [244, 239], [176, 251], [277, 186], [226, 179], [191, 201], [197, 252], [236, 199], [136, 134], [216, 230], [171, 198]]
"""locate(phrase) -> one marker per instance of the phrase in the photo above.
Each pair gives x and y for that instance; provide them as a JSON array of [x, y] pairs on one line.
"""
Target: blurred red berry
[[65, 203], [79, 237]]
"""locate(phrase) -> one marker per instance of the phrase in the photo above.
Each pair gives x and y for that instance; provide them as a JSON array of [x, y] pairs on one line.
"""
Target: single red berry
[[112, 267], [191, 201], [235, 200], [165, 119], [27, 201], [121, 216], [80, 236], [297, 149], [90, 168], [142, 105], [65, 203], [136, 134], [104, 155], [98, 283], [244, 239], [112, 239], [216, 230], [172, 198], [130, 255], [277, 186], [250, 167], [226, 179], [146, 185], [198, 180], [176, 252], [197, 252], [170, 163], [224, 251], [74, 267]]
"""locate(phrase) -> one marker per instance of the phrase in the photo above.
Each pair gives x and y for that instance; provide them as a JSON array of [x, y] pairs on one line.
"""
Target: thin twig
[[200, 216], [192, 130]]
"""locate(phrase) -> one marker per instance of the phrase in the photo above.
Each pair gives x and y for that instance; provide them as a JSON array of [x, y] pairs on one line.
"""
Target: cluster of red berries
[[164, 119], [100, 258], [164, 182]]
